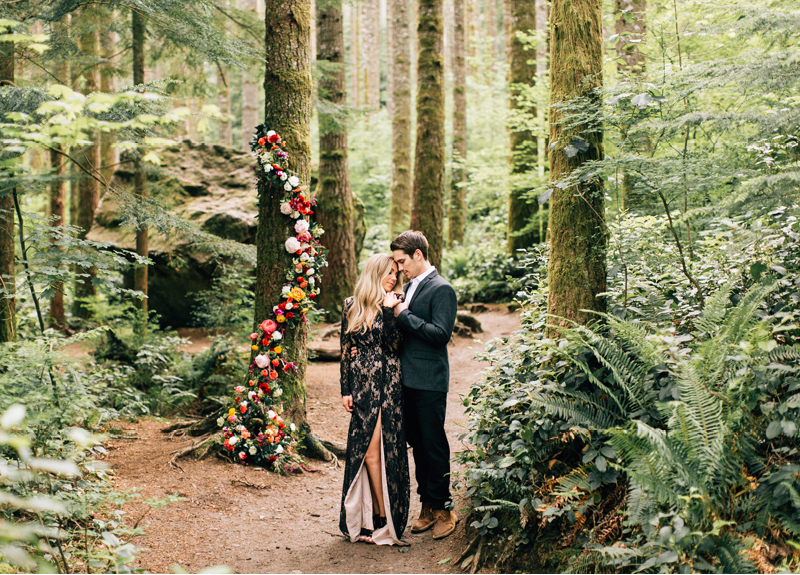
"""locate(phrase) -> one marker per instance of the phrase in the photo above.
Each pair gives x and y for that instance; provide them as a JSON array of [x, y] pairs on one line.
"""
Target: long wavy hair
[[369, 293]]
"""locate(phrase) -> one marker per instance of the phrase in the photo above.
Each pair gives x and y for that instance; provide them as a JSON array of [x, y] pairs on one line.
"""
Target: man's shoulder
[[439, 281]]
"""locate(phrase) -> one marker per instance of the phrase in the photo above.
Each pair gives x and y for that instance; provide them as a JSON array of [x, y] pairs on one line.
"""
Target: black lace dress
[[373, 379]]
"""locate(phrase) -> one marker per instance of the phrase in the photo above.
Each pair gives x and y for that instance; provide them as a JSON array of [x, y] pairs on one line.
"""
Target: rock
[[467, 319], [476, 308], [325, 351], [461, 330]]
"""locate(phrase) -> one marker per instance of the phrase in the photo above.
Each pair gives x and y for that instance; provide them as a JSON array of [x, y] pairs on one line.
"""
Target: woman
[[375, 496]]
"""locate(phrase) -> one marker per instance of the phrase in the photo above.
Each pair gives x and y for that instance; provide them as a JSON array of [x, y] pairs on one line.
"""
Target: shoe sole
[[413, 530]]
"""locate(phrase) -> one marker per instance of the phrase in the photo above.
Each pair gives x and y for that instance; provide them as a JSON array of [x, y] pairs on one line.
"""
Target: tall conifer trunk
[[287, 83], [250, 91], [7, 273], [139, 181], [371, 56], [88, 187], [576, 270], [109, 156], [335, 207], [225, 136], [524, 145], [400, 64], [427, 212], [458, 192]]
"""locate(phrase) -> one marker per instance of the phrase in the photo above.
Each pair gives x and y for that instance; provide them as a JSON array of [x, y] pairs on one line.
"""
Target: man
[[426, 319]]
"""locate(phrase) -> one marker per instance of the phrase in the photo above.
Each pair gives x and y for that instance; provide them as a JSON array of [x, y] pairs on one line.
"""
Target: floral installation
[[254, 431]]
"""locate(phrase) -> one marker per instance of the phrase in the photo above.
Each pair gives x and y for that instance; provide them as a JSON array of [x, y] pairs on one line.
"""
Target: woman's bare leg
[[374, 469]]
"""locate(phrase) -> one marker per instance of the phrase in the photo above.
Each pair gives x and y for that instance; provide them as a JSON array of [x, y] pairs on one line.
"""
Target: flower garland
[[254, 431]]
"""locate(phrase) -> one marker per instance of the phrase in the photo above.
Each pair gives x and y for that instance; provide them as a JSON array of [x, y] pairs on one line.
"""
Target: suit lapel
[[421, 287]]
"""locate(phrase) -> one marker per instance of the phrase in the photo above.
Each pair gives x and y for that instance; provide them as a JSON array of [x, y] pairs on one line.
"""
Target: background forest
[[627, 171]]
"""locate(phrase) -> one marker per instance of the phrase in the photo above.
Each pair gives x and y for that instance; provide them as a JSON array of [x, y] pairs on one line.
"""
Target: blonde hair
[[369, 293]]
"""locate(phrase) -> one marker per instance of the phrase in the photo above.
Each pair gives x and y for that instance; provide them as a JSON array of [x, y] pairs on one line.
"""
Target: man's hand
[[400, 307], [347, 402]]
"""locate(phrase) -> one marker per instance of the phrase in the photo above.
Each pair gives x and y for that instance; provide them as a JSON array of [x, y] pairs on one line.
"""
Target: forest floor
[[254, 521]]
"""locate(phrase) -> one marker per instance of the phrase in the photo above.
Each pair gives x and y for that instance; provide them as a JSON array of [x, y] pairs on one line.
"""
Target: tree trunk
[[371, 56], [577, 267], [250, 91], [7, 271], [225, 135], [334, 196], [139, 183], [400, 63], [427, 212], [288, 112], [355, 55], [630, 25], [542, 69], [458, 190], [109, 156], [490, 29], [88, 187], [524, 144]]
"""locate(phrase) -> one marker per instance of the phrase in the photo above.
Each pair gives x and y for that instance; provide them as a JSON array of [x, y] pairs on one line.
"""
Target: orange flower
[[243, 408], [245, 434], [276, 362], [272, 375], [278, 349], [304, 284], [297, 294]]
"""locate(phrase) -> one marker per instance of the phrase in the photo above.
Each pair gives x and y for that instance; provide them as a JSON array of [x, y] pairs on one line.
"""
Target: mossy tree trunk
[[371, 55], [335, 198], [250, 88], [139, 181], [287, 84], [524, 144], [400, 63], [457, 216], [88, 157], [7, 273], [630, 27], [427, 211], [109, 156], [577, 266]]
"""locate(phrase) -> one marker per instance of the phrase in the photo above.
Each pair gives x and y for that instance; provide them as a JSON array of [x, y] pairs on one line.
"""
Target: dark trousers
[[424, 423]]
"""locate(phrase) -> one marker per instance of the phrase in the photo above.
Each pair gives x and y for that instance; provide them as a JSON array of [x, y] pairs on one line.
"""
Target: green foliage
[[689, 409]]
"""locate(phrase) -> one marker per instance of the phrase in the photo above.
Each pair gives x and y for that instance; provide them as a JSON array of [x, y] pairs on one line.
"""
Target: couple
[[394, 379]]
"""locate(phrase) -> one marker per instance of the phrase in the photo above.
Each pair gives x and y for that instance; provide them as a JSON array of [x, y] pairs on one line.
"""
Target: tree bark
[[577, 266], [7, 271], [630, 25], [288, 112], [427, 212], [139, 182], [335, 198], [88, 188], [109, 156], [524, 144], [371, 56], [250, 91], [355, 55], [400, 63], [458, 191], [225, 135]]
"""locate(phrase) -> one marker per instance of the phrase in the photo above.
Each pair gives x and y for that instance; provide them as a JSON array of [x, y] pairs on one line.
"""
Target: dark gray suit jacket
[[427, 326]]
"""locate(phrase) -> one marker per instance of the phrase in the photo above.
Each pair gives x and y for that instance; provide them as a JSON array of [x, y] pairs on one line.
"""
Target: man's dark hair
[[410, 242]]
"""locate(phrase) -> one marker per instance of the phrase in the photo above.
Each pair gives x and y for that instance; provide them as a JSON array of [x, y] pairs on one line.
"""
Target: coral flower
[[272, 375], [242, 455], [303, 284], [245, 434], [254, 336], [268, 326], [231, 418], [243, 409], [275, 362], [251, 382]]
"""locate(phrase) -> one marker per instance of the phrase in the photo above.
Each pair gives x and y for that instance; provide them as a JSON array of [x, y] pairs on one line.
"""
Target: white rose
[[279, 450], [292, 426], [233, 440], [310, 272], [284, 177], [304, 257], [294, 180], [253, 450], [289, 305], [312, 281], [270, 133], [243, 404], [285, 290], [292, 245], [304, 246], [286, 209], [301, 226], [271, 414], [262, 360], [318, 231], [287, 186], [295, 214], [268, 168], [220, 422], [251, 394], [240, 428], [276, 335], [277, 393]]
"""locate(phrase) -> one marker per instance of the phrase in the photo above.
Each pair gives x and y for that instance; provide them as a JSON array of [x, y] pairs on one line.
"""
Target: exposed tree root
[[202, 447], [476, 561], [247, 483], [467, 549]]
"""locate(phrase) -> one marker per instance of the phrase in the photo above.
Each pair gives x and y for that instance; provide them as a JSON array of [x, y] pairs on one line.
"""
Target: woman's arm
[[346, 343]]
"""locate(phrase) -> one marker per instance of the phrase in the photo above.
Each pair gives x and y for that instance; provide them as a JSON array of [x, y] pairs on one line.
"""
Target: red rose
[[289, 315], [243, 408], [282, 305], [273, 138], [264, 342], [312, 295]]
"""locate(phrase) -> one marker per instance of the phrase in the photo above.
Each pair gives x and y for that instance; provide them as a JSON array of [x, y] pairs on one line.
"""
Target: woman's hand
[[347, 402], [391, 299]]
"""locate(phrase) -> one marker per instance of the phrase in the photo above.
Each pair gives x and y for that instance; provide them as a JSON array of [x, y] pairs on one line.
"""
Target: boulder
[[469, 320]]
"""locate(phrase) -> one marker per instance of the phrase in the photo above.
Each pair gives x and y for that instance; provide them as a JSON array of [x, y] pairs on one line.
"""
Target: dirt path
[[290, 524]]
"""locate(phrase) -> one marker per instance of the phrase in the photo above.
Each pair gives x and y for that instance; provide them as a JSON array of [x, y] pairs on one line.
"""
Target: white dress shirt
[[415, 283]]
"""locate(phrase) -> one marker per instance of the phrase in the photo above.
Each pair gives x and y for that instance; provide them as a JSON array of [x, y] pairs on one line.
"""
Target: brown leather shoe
[[425, 520], [445, 523]]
